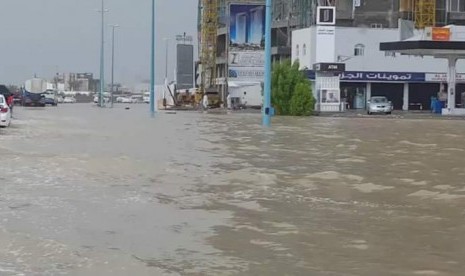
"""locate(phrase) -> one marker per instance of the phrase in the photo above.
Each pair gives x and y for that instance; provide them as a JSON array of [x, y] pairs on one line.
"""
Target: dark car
[[5, 91]]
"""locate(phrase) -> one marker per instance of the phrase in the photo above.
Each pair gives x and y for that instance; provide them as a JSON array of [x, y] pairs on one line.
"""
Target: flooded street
[[88, 191]]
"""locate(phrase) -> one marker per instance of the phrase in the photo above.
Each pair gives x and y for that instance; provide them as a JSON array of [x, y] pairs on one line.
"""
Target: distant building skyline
[[63, 36]]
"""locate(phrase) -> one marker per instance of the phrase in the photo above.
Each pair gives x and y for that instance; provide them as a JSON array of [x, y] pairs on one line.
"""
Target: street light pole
[[152, 65], [267, 110], [166, 57], [102, 56], [112, 62], [166, 69]]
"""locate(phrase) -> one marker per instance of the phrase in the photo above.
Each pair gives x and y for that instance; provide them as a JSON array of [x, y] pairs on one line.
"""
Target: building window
[[359, 50], [297, 51], [457, 5], [304, 50], [376, 25]]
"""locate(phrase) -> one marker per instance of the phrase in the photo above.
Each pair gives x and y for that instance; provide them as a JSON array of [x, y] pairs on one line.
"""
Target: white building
[[409, 82]]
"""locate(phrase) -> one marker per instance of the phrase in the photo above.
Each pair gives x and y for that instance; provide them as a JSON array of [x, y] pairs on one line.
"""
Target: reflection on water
[[110, 191]]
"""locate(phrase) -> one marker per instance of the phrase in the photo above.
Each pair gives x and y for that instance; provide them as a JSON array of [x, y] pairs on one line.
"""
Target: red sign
[[441, 34]]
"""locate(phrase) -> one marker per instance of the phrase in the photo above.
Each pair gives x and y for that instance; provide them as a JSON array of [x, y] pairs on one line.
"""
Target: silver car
[[379, 105]]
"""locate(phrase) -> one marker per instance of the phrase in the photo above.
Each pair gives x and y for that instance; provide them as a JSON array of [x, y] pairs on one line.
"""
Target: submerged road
[[89, 191]]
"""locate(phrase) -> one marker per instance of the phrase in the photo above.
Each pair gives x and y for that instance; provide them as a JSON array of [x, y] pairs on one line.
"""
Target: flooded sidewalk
[[88, 191]]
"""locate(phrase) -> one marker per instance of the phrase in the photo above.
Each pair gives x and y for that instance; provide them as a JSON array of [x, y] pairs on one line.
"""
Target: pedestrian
[[205, 102], [442, 96], [228, 101], [10, 101]]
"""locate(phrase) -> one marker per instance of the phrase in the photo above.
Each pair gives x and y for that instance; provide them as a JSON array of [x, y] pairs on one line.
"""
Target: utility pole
[[112, 63], [102, 56], [152, 65], [267, 109], [166, 67]]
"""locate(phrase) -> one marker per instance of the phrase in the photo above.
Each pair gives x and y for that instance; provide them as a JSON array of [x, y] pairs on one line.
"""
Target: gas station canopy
[[426, 48], [439, 42]]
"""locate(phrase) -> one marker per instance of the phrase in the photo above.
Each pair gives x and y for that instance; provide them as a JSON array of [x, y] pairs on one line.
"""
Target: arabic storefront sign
[[377, 76], [392, 76], [383, 76], [441, 77]]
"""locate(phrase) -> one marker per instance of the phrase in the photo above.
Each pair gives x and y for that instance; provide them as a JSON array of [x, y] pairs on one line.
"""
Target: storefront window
[[353, 94]]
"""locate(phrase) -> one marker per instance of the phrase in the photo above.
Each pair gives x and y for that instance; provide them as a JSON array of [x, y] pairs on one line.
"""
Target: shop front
[[406, 90]]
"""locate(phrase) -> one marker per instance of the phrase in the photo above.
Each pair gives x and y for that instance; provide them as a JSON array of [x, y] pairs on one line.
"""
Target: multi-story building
[[291, 15], [80, 82], [240, 48], [409, 81]]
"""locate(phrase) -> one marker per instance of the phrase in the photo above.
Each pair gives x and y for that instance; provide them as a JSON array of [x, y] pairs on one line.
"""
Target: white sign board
[[246, 73], [326, 15], [247, 59], [441, 77], [325, 44]]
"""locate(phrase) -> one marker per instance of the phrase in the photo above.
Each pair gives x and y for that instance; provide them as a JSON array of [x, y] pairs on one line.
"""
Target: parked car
[[5, 112], [126, 100], [69, 100], [51, 101], [105, 99], [379, 104], [137, 99]]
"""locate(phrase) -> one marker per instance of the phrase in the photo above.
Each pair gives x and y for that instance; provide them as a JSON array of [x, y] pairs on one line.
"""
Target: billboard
[[185, 66], [247, 26], [246, 58]]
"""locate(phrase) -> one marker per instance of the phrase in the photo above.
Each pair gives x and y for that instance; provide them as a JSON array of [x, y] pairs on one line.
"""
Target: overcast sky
[[43, 36]]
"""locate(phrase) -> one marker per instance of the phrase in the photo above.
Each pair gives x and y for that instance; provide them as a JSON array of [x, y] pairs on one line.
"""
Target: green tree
[[302, 102], [286, 81]]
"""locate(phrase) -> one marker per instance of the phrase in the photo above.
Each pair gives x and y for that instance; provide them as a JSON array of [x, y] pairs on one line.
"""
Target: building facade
[[290, 15], [408, 81], [293, 15], [240, 50]]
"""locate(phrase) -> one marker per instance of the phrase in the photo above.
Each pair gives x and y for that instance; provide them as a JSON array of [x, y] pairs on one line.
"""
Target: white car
[[105, 99], [137, 99], [379, 104], [126, 100], [69, 100], [5, 112], [146, 97]]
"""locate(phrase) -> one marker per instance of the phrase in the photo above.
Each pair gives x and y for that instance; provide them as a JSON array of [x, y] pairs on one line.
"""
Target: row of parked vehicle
[[125, 99]]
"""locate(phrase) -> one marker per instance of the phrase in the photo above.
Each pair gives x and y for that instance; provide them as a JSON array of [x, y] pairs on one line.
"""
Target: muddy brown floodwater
[[88, 191]]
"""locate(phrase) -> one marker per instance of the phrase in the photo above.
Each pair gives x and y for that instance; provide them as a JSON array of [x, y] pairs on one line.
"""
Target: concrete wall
[[301, 37], [383, 12]]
